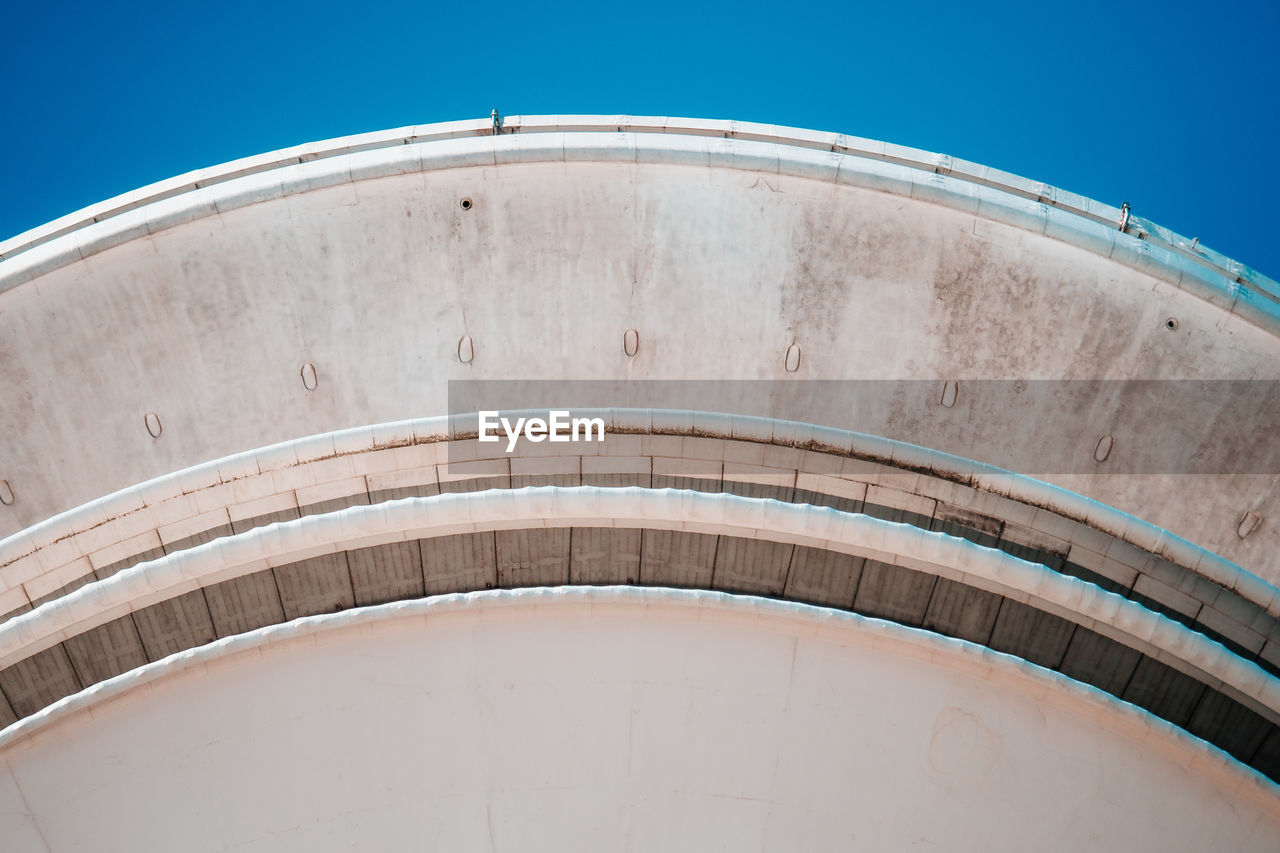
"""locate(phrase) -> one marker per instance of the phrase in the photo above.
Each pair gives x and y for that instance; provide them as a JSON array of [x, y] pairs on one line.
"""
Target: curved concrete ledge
[[71, 537], [1198, 758], [826, 157], [819, 527]]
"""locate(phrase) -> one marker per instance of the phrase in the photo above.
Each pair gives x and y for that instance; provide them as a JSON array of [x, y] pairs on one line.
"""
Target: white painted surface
[[615, 720]]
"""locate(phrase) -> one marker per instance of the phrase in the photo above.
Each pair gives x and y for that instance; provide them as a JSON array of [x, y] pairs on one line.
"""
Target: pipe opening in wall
[[465, 204], [1171, 324]]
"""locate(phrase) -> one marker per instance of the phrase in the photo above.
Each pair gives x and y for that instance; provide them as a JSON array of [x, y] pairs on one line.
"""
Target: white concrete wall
[[719, 255], [615, 720]]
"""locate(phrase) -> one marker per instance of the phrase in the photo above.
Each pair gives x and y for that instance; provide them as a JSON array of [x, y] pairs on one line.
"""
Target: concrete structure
[[232, 493]]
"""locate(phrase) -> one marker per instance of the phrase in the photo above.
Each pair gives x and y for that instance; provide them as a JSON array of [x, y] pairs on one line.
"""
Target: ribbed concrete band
[[586, 506], [1204, 759]]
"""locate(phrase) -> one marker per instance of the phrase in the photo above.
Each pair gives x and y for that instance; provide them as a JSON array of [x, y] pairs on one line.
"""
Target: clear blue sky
[[1172, 107]]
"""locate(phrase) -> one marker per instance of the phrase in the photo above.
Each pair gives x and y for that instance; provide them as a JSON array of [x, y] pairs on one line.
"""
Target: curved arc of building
[[725, 143], [295, 546], [95, 605], [453, 153], [1215, 778], [433, 605], [284, 543], [137, 502]]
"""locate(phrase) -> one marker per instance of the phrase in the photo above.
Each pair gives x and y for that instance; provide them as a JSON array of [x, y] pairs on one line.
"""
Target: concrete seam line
[[553, 506], [113, 222], [438, 429], [814, 618]]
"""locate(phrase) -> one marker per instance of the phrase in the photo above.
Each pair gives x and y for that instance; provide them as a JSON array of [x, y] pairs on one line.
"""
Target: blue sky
[[1172, 107]]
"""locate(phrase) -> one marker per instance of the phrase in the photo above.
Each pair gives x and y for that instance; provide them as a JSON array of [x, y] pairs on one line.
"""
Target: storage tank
[[932, 505]]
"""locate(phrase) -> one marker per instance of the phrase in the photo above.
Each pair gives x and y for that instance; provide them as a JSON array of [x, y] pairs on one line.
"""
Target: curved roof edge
[[1247, 781], [1028, 204]]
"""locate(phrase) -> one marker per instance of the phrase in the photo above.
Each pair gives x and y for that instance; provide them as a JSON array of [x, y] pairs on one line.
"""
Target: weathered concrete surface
[[209, 323], [505, 721]]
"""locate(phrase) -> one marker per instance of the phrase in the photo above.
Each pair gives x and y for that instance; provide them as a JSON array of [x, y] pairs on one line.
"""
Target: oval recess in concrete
[[792, 361], [631, 342], [950, 390], [1103, 450], [6, 493], [466, 349], [1247, 525], [152, 420], [309, 378]]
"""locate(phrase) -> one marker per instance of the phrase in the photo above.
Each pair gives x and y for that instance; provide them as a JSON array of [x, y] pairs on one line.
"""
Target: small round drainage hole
[[1171, 324], [465, 204]]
